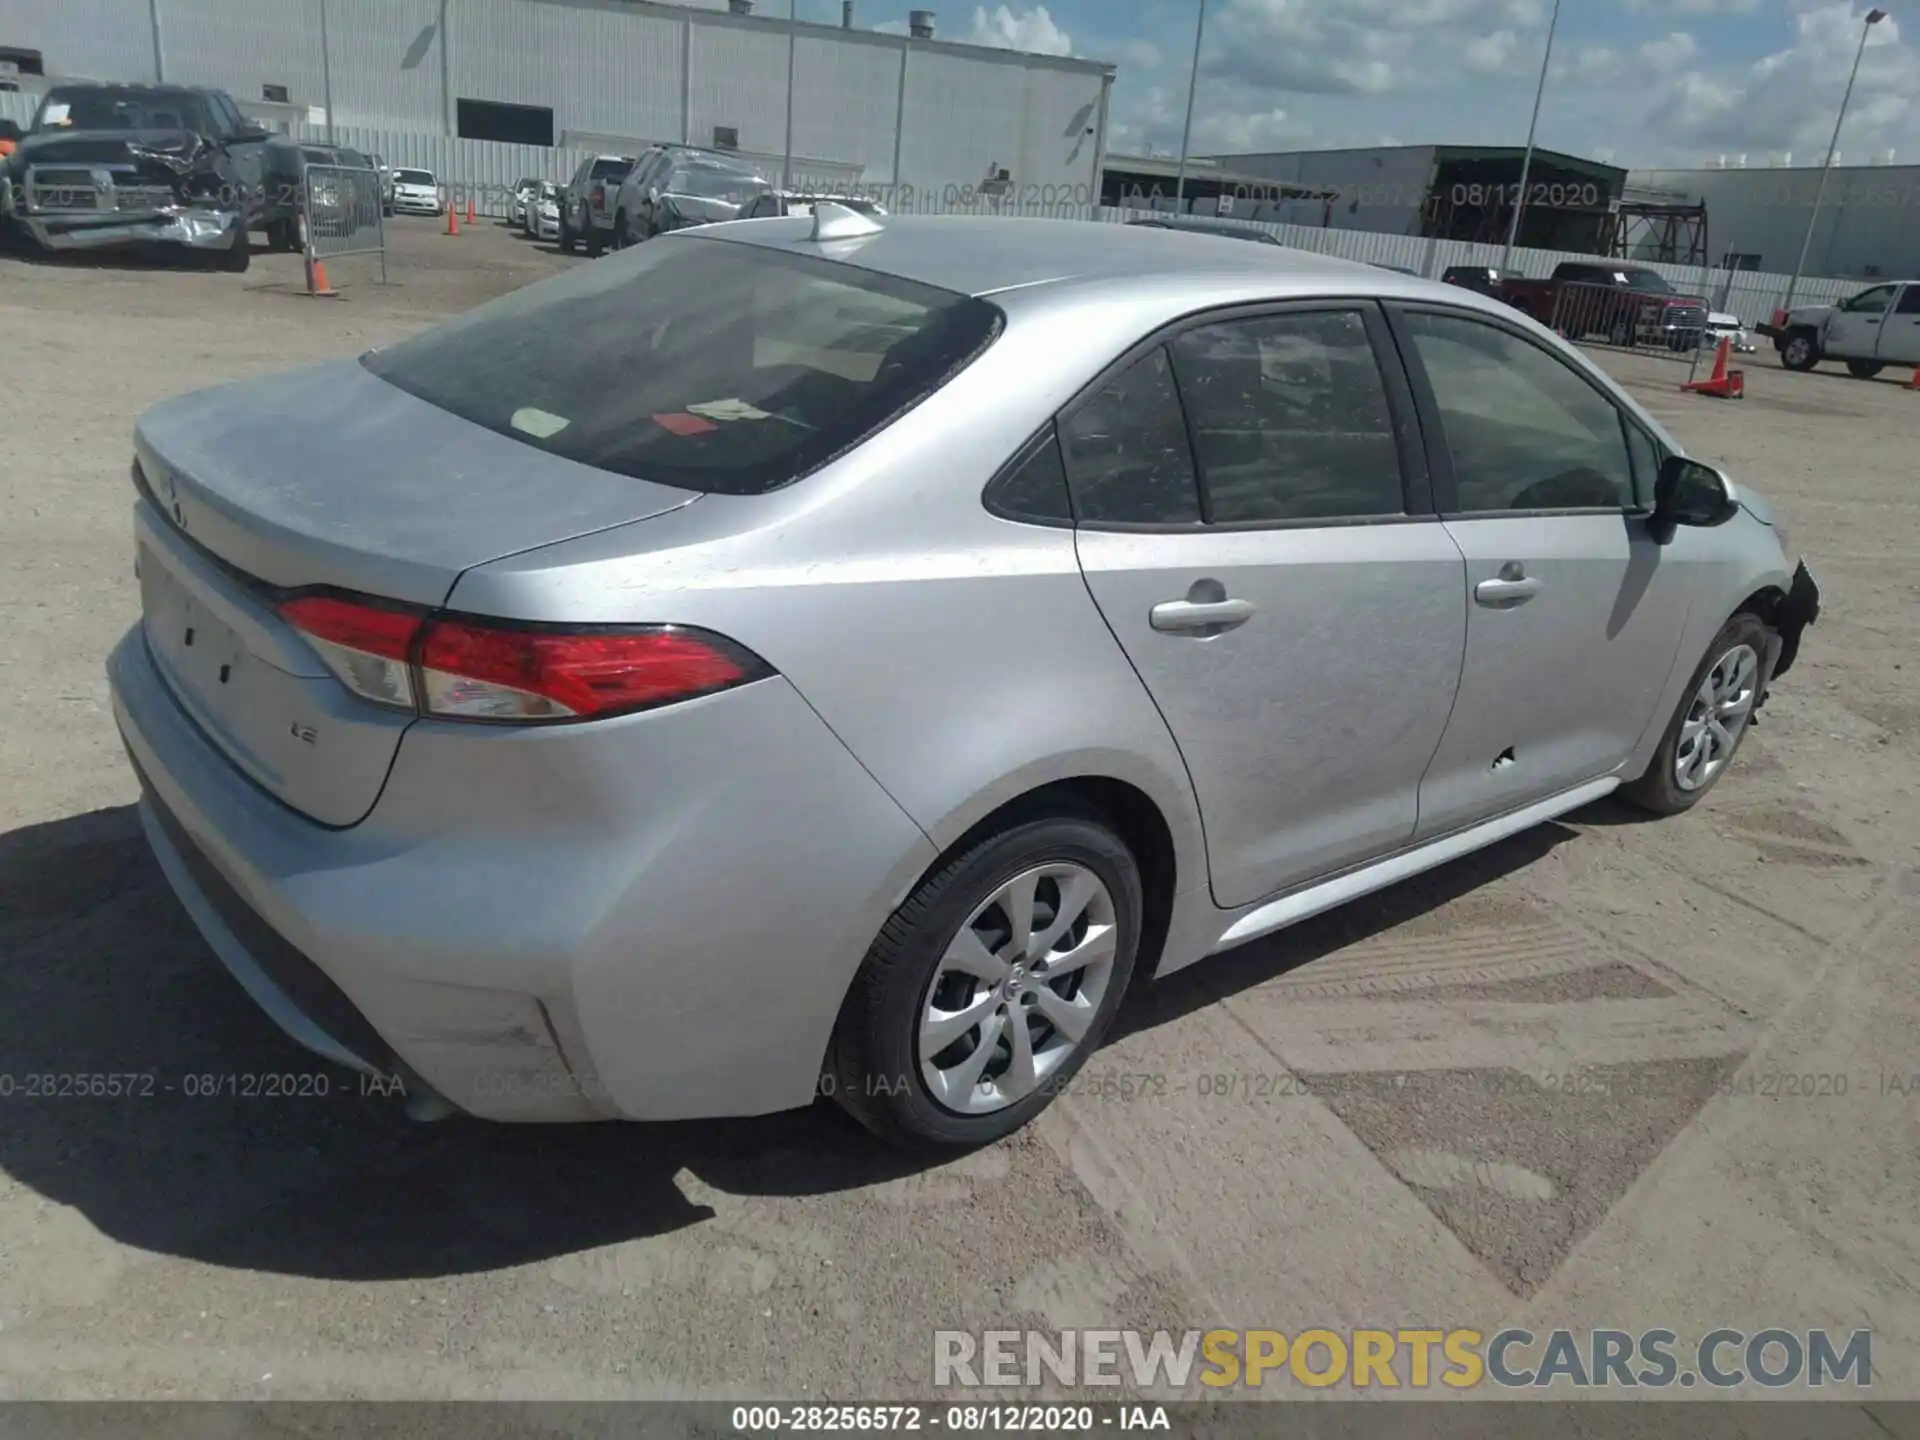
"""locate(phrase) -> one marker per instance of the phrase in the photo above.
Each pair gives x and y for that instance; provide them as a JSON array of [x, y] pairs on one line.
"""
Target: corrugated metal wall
[[1869, 217], [110, 39], [633, 69]]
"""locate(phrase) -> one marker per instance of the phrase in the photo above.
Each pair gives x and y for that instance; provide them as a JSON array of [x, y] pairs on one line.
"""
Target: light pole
[[1533, 126], [1874, 17], [1186, 131], [326, 70], [786, 159]]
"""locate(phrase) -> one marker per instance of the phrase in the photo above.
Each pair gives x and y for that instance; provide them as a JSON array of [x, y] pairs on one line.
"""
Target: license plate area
[[200, 653]]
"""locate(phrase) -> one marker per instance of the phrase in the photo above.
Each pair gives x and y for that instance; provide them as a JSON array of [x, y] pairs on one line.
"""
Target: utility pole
[[1533, 126], [1874, 17], [1186, 131]]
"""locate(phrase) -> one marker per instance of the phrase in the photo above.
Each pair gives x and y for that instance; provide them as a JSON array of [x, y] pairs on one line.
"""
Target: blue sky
[[1638, 82]]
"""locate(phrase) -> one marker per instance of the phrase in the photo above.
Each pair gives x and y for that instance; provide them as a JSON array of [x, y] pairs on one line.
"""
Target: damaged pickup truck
[[114, 165]]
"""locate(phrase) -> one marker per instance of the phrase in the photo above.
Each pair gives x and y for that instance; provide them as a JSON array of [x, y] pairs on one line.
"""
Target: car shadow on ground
[[1258, 961], [140, 1085], [143, 257], [106, 986]]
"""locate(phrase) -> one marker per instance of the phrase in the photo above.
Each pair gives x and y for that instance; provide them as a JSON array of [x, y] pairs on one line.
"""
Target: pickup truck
[[113, 165], [1629, 304], [1870, 331]]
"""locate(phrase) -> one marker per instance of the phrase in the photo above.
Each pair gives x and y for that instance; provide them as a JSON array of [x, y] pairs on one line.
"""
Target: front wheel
[[988, 989], [1864, 369], [1801, 352], [1711, 720]]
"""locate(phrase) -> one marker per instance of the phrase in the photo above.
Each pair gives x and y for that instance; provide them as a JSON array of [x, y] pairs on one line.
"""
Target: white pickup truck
[[1871, 331]]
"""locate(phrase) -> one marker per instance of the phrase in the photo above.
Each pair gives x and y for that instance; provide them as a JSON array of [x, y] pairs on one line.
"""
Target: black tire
[[237, 257], [567, 238], [277, 235], [1659, 790], [1621, 333], [620, 237], [596, 241], [1801, 350], [872, 1068], [1864, 369]]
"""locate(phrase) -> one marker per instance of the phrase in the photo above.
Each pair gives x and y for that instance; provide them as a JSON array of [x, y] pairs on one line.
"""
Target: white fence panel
[[18, 106]]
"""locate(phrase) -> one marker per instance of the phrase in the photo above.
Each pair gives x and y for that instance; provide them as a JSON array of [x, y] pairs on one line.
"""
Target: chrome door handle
[[1507, 592], [1214, 615]]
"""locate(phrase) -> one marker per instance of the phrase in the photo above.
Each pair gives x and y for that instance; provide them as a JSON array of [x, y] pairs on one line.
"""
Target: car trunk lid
[[328, 477]]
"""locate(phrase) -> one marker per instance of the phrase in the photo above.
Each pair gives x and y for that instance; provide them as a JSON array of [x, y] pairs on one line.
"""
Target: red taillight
[[366, 646], [366, 628], [599, 196], [466, 668], [485, 672]]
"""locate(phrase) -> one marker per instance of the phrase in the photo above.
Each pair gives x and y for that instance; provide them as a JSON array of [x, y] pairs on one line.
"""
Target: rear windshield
[[414, 177], [610, 169], [698, 363]]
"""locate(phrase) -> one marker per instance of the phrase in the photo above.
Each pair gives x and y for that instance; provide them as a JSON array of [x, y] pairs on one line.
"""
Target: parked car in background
[[523, 191], [1628, 304], [1208, 225], [747, 670], [1723, 325], [587, 208], [770, 203], [113, 165], [543, 212], [691, 188], [1868, 332], [1483, 278], [417, 192]]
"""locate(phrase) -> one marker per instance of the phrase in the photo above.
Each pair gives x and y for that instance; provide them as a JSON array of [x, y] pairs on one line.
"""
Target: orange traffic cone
[[453, 217], [317, 285], [469, 210], [1914, 383], [1724, 383]]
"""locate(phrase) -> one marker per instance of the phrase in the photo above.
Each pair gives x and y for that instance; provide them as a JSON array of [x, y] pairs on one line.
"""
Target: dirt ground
[[1357, 1122]]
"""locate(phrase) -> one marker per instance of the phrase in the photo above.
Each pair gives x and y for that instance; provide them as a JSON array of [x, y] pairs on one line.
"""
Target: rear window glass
[[414, 177], [697, 363], [609, 169]]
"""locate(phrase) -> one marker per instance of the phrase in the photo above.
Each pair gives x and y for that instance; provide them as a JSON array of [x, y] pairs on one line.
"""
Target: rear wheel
[[1711, 720], [1864, 369], [1801, 352], [987, 990]]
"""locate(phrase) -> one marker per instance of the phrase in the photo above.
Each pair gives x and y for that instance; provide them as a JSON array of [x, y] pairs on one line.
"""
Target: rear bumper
[[197, 229], [651, 917]]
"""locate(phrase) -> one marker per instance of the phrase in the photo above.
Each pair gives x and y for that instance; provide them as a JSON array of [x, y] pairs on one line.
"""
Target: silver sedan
[[838, 655]]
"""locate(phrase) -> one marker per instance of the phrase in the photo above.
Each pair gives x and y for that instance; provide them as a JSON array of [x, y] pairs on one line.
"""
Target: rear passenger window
[[1290, 419], [1035, 488], [1127, 453]]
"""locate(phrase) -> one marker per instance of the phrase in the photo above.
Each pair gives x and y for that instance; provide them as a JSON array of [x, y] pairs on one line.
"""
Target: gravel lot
[[176, 1246]]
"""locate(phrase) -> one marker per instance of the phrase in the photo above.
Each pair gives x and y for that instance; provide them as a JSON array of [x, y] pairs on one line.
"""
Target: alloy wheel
[[1017, 988], [1721, 708]]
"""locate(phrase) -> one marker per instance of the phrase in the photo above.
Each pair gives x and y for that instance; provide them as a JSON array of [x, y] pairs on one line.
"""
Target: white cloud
[[1033, 30], [1141, 54], [1669, 52]]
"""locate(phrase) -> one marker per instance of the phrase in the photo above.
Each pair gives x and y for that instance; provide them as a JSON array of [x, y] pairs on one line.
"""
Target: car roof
[[980, 254]]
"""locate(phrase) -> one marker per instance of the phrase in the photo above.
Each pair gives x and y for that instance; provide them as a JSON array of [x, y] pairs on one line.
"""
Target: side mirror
[[653, 195], [1689, 493]]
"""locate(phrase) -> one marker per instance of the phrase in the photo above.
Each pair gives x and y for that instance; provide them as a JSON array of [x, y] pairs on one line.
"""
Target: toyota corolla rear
[[550, 870]]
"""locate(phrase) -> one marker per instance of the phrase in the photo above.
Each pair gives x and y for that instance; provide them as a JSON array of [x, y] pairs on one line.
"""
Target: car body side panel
[[959, 655], [1727, 564], [548, 923]]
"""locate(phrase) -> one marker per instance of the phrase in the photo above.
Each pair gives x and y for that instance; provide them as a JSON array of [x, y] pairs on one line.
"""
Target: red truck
[[1628, 304]]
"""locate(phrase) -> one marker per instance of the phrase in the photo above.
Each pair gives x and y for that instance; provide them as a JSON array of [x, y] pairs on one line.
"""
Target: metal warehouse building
[[1869, 224], [1453, 192], [870, 106]]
